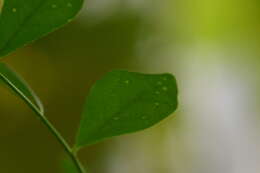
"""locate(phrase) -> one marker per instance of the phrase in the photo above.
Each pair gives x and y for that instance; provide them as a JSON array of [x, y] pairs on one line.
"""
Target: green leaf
[[23, 21], [124, 102], [17, 84]]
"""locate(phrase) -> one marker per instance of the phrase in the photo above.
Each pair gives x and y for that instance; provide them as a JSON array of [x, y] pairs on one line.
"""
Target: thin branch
[[48, 124]]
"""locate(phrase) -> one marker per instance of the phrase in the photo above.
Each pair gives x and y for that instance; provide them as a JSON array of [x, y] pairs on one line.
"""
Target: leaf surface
[[124, 102], [22, 21]]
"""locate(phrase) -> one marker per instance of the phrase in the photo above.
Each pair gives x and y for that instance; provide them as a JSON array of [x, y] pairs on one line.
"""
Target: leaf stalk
[[70, 152]]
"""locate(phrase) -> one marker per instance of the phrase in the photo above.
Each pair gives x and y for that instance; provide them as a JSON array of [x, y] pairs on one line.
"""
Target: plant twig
[[48, 124]]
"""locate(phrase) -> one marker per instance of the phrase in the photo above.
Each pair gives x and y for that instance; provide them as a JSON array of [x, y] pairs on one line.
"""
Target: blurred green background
[[211, 46]]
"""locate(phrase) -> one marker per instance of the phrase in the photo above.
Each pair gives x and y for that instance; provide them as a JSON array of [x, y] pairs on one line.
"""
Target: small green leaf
[[124, 102], [22, 21], [17, 84]]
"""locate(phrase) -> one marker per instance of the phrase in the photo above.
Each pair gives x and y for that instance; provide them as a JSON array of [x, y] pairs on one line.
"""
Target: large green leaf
[[22, 21], [17, 84], [124, 102]]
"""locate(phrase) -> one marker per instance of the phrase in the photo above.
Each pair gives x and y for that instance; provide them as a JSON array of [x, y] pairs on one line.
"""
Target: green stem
[[47, 123]]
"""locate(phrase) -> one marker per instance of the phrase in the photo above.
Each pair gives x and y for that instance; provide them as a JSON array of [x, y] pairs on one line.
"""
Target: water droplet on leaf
[[159, 83], [116, 118], [165, 88], [144, 117]]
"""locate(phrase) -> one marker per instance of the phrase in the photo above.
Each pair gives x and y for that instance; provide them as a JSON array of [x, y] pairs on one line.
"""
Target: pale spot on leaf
[[116, 118], [144, 117], [69, 4], [164, 88], [53, 6]]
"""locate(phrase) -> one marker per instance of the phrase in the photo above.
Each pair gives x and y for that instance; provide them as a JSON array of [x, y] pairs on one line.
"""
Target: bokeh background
[[212, 47]]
